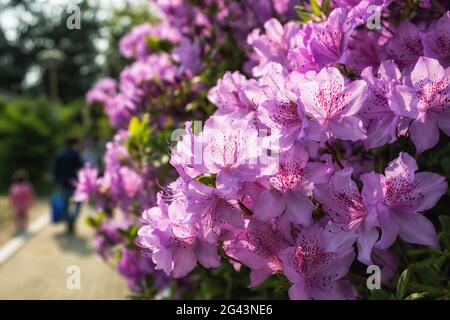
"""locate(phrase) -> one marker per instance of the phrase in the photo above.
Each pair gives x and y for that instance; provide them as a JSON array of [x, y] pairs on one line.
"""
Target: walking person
[[66, 165], [21, 196]]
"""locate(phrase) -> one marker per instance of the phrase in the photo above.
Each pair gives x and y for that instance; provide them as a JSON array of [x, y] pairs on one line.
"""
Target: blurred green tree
[[38, 29], [31, 130]]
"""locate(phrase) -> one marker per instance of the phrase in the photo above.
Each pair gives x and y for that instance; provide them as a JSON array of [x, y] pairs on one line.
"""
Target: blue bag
[[57, 204]]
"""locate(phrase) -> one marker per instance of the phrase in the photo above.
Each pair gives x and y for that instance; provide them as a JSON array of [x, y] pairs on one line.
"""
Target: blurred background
[[46, 67]]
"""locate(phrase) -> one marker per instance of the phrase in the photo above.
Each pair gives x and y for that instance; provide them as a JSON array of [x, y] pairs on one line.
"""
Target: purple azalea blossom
[[436, 42], [134, 267], [388, 262], [291, 186], [329, 39], [279, 107], [229, 150], [188, 55], [406, 46], [171, 235], [364, 50], [131, 181], [426, 100], [259, 248], [402, 196], [231, 92], [333, 104], [135, 45], [86, 183], [377, 111], [351, 217], [107, 237], [314, 272], [214, 210], [273, 46], [102, 91]]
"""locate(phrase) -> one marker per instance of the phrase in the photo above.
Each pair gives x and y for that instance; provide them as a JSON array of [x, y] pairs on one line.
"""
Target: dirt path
[[7, 228], [39, 270]]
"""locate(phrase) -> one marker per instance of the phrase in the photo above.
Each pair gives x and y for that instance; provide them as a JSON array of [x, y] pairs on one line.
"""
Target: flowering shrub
[[307, 170]]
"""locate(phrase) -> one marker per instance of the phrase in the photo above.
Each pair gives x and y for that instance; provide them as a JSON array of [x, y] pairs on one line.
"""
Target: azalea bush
[[278, 149]]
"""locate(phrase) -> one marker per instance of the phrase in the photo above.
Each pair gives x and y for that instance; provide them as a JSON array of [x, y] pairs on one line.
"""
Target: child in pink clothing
[[21, 197]]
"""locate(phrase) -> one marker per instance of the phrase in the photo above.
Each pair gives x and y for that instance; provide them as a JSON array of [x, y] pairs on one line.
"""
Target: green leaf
[[429, 275], [326, 8], [303, 14], [402, 284], [133, 231], [440, 261], [315, 7], [95, 221], [159, 45], [244, 208], [445, 222], [417, 252], [130, 233], [139, 132], [380, 295], [281, 283], [90, 221], [416, 296], [429, 291], [123, 232], [209, 180], [423, 264], [134, 126], [444, 238]]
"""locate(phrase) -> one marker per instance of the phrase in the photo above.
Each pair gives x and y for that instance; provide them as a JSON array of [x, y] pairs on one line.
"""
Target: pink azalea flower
[[402, 196], [131, 181], [261, 8], [170, 234], [285, 7], [86, 184], [230, 150], [290, 188], [300, 57], [186, 156], [426, 101], [107, 236], [436, 42], [259, 247], [364, 49], [329, 39], [406, 45], [188, 55], [102, 91], [119, 110], [355, 159], [351, 216], [213, 209], [333, 104], [279, 107], [272, 46], [134, 44], [315, 272], [387, 261], [230, 92], [291, 140], [134, 268], [377, 111]]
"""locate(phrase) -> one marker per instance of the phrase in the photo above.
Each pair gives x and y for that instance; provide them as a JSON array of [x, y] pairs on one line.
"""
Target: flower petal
[[424, 133], [415, 228], [269, 204]]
